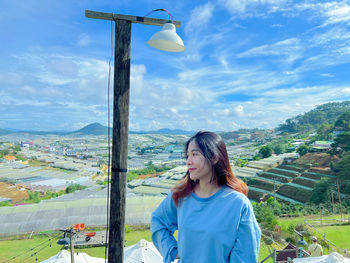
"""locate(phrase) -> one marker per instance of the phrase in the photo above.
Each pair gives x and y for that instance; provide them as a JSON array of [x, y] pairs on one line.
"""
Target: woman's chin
[[193, 177]]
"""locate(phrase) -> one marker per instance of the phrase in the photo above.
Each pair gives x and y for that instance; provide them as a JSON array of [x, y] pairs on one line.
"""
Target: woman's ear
[[214, 160]]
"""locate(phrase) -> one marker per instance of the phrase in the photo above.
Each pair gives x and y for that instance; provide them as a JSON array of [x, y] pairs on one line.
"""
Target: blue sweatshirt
[[219, 229]]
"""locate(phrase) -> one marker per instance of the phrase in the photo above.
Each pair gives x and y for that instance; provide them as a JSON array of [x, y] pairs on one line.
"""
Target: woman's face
[[198, 167]]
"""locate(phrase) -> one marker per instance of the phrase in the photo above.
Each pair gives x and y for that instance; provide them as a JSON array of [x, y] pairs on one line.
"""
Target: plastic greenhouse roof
[[62, 212]]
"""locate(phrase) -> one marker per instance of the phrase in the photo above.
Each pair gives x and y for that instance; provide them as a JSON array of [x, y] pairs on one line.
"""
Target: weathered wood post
[[121, 123], [119, 139]]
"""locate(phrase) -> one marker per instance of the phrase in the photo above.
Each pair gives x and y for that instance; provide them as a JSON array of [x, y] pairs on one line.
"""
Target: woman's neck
[[206, 189]]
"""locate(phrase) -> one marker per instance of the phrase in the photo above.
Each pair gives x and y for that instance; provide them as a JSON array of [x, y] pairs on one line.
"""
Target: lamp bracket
[[132, 19]]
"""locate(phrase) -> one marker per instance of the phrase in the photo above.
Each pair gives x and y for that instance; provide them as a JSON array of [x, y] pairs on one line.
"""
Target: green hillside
[[323, 114]]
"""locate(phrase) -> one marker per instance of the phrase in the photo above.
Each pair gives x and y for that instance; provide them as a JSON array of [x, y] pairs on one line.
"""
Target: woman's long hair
[[214, 150]]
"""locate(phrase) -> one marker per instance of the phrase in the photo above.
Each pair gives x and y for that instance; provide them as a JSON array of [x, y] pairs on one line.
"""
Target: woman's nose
[[189, 160]]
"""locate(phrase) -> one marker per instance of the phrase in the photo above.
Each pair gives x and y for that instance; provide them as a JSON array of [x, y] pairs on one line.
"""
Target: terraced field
[[288, 182], [277, 177]]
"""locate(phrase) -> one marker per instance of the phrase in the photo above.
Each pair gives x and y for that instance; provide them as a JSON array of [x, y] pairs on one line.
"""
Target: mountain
[[323, 114], [164, 131], [4, 132], [98, 129], [95, 129], [92, 129]]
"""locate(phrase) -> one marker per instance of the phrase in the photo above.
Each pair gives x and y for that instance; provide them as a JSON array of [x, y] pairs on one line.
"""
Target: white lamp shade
[[167, 39]]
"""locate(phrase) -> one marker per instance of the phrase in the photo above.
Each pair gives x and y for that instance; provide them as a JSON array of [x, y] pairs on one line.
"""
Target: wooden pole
[[121, 123], [333, 202], [119, 139], [341, 210]]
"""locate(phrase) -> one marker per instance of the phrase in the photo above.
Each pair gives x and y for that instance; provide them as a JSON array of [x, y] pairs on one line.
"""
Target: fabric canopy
[[64, 257], [143, 251], [331, 258]]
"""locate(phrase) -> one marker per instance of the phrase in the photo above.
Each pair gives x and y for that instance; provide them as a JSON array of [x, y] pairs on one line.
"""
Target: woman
[[209, 208]]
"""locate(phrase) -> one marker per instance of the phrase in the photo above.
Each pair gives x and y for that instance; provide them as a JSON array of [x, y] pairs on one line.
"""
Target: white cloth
[[143, 251], [64, 257], [331, 258]]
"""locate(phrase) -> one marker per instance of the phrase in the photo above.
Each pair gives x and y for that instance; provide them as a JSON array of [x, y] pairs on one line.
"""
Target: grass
[[13, 248], [21, 248], [339, 235]]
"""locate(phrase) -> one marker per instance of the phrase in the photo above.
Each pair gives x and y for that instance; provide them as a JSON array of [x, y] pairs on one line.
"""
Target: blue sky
[[247, 64]]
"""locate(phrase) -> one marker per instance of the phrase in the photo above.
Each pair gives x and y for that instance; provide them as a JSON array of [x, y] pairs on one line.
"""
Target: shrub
[[74, 187]]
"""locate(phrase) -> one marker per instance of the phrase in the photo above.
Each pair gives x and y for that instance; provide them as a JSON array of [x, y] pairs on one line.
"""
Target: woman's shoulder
[[230, 194]]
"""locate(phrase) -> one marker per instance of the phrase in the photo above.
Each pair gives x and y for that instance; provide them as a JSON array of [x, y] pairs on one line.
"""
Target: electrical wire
[[160, 9], [33, 248], [108, 140]]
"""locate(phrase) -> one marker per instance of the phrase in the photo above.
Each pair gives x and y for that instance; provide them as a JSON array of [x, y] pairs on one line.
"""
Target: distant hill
[[98, 129], [164, 131], [4, 132], [91, 129], [323, 114], [95, 129]]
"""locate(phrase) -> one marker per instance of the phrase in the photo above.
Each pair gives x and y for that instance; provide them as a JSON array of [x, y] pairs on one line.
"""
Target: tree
[[4, 153], [265, 151], [278, 148], [303, 149], [265, 216], [342, 141], [343, 123], [290, 126], [324, 132], [274, 205], [321, 192], [342, 168]]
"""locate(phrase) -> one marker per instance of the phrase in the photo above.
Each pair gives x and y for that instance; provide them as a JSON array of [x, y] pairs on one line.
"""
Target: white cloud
[[277, 25], [27, 90], [137, 73], [248, 63], [173, 110], [327, 75], [332, 38], [332, 11], [338, 12], [83, 40], [200, 17], [239, 110], [76, 125], [288, 47], [10, 78], [248, 6]]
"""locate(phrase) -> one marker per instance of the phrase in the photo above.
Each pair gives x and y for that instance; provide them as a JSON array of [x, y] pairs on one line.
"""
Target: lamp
[[167, 39]]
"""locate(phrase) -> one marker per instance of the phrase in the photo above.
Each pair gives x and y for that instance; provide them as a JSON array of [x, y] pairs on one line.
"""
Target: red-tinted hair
[[213, 148]]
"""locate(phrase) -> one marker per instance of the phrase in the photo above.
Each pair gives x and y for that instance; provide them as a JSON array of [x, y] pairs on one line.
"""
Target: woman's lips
[[191, 169]]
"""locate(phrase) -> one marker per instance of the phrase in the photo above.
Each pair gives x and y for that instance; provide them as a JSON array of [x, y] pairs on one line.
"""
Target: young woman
[[209, 208]]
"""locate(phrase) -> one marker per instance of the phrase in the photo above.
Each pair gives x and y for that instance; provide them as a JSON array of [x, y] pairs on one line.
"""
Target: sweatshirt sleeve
[[163, 226], [246, 247]]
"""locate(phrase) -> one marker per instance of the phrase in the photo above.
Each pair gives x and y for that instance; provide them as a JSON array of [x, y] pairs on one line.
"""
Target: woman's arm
[[246, 247], [163, 225]]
